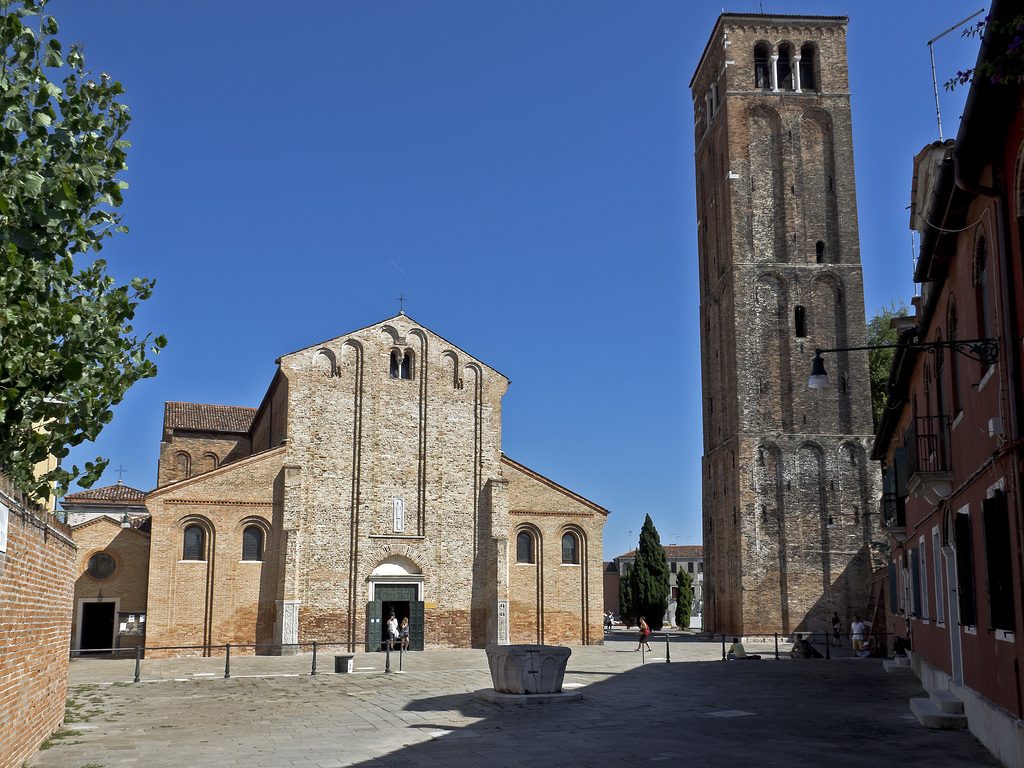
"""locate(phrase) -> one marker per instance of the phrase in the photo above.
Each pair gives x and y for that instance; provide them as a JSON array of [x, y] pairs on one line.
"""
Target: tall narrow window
[[981, 290], [999, 562], [965, 569], [923, 576], [524, 548], [762, 77], [940, 596], [785, 65], [807, 81], [570, 550], [252, 543], [954, 364], [800, 321], [820, 251], [195, 543]]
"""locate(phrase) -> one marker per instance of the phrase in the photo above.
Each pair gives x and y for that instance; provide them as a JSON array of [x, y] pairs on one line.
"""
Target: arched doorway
[[396, 586]]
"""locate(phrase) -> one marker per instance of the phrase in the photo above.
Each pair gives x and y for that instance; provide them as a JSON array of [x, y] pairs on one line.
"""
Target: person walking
[[837, 627], [404, 634], [645, 632]]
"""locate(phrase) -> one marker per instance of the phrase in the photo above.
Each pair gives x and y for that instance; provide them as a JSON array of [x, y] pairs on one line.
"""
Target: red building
[[952, 437]]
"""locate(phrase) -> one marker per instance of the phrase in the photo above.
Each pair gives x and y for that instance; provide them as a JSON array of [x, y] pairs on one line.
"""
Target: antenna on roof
[[931, 53]]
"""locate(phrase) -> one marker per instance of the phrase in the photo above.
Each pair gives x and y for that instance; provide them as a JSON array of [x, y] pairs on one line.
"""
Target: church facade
[[369, 481]]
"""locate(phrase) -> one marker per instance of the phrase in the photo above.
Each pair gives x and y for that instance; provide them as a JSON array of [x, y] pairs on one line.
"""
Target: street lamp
[[985, 351]]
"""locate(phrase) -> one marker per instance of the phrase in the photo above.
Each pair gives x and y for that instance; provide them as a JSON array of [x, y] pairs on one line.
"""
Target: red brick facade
[[36, 574]]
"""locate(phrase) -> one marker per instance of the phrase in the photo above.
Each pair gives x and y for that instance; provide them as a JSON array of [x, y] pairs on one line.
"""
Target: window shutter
[[998, 564], [965, 569]]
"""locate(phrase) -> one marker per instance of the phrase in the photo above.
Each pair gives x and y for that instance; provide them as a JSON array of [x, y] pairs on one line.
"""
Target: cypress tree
[[684, 599], [651, 581], [626, 612]]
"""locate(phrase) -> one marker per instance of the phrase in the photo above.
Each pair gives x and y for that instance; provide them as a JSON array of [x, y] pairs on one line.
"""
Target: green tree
[[650, 579], [684, 599], [68, 352], [626, 612], [880, 331]]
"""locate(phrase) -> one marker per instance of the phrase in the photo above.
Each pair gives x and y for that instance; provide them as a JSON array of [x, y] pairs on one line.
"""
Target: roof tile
[[208, 418]]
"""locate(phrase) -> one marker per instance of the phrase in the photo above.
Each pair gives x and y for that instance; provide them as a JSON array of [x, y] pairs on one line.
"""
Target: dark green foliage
[[68, 352], [650, 578], [880, 360], [626, 613], [684, 599]]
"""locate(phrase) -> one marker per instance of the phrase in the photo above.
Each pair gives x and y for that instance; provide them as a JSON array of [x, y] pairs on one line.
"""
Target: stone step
[[930, 716], [947, 702], [893, 666]]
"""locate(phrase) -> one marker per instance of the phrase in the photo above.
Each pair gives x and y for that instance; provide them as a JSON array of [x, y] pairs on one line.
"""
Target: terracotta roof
[[118, 494], [208, 418], [676, 550]]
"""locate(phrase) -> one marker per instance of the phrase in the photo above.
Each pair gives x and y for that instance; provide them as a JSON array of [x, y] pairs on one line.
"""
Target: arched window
[[252, 543], [807, 81], [401, 365], [524, 548], [762, 77], [183, 464], [570, 550], [209, 462], [195, 543], [101, 566]]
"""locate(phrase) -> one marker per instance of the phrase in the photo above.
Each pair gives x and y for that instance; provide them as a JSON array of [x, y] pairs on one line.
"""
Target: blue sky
[[521, 172]]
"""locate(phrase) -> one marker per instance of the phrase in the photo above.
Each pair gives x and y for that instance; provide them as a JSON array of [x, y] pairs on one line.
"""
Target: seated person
[[870, 648], [737, 652], [803, 650]]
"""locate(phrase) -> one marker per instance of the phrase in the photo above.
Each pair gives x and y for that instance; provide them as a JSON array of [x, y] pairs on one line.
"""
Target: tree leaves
[[68, 353]]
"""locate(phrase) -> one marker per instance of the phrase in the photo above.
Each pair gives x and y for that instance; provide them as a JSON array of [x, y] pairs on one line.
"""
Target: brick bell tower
[[790, 500]]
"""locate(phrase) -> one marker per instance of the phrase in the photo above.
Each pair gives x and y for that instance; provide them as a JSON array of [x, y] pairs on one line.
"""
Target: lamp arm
[[983, 350]]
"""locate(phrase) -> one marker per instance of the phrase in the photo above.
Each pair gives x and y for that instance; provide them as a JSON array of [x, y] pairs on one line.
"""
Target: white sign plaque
[[398, 505]]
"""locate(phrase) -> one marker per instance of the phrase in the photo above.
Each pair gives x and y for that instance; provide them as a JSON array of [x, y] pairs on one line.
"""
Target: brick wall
[[780, 274], [36, 574], [221, 598], [551, 601], [127, 585]]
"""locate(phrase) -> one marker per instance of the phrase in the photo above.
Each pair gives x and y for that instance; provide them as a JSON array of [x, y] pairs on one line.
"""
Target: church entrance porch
[[399, 599]]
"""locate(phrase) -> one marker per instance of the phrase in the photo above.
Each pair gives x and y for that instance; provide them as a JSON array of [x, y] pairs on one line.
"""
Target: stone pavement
[[695, 710]]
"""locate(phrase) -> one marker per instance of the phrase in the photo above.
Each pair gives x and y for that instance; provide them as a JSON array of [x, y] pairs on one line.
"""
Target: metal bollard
[[776, 646], [668, 653], [313, 671], [387, 658], [138, 659], [227, 661], [723, 648]]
